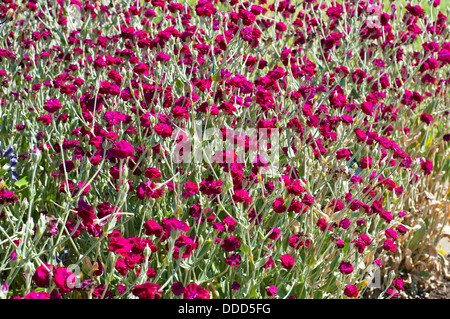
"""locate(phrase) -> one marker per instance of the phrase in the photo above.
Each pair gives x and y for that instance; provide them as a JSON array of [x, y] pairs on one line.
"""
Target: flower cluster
[[103, 96]]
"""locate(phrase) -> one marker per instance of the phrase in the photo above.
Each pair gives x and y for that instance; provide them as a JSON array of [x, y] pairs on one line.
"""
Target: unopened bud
[[28, 268], [36, 156], [147, 252]]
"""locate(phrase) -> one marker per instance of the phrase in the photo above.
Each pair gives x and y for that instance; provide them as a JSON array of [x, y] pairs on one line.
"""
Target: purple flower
[[177, 288], [231, 244]]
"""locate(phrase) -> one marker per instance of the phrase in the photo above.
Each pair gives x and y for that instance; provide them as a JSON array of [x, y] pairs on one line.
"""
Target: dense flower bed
[[214, 149]]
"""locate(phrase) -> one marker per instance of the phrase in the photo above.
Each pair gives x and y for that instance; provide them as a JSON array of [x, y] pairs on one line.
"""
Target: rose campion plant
[[161, 149]]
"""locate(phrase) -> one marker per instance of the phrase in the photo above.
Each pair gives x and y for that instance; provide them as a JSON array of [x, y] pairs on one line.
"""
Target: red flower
[[233, 260], [64, 279], [351, 291], [287, 261], [141, 68], [194, 291], [427, 167], [366, 162], [52, 105], [278, 206], [231, 244], [426, 118], [120, 150], [345, 268], [147, 290], [42, 276]]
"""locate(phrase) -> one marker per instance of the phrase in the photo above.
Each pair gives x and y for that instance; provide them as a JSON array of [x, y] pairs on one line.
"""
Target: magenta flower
[[278, 206], [210, 187], [52, 105], [120, 150], [275, 233], [147, 290], [287, 261], [194, 291], [153, 228], [64, 279], [233, 260], [161, 56], [366, 162], [343, 153], [351, 291], [389, 245], [42, 276], [345, 268], [427, 166], [426, 118], [177, 288], [271, 290], [141, 68], [398, 283], [230, 244]]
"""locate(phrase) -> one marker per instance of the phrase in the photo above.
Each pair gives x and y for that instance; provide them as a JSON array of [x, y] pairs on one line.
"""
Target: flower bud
[[28, 268], [36, 156], [4, 291], [147, 252], [41, 225]]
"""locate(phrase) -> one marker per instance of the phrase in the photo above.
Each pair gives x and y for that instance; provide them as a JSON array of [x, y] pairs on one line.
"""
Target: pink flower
[[163, 130], [190, 189], [366, 162], [241, 195], [308, 200], [52, 105], [46, 119], [194, 291], [42, 276], [351, 291], [345, 268], [427, 166], [398, 283], [278, 206], [141, 68], [287, 261], [390, 292], [64, 279], [275, 233], [345, 223], [120, 150], [37, 295], [210, 187], [231, 244], [343, 153], [177, 288], [402, 229], [161, 56], [205, 8], [426, 118], [389, 245], [153, 173], [271, 290], [153, 228], [322, 224], [147, 290], [233, 260], [390, 233]]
